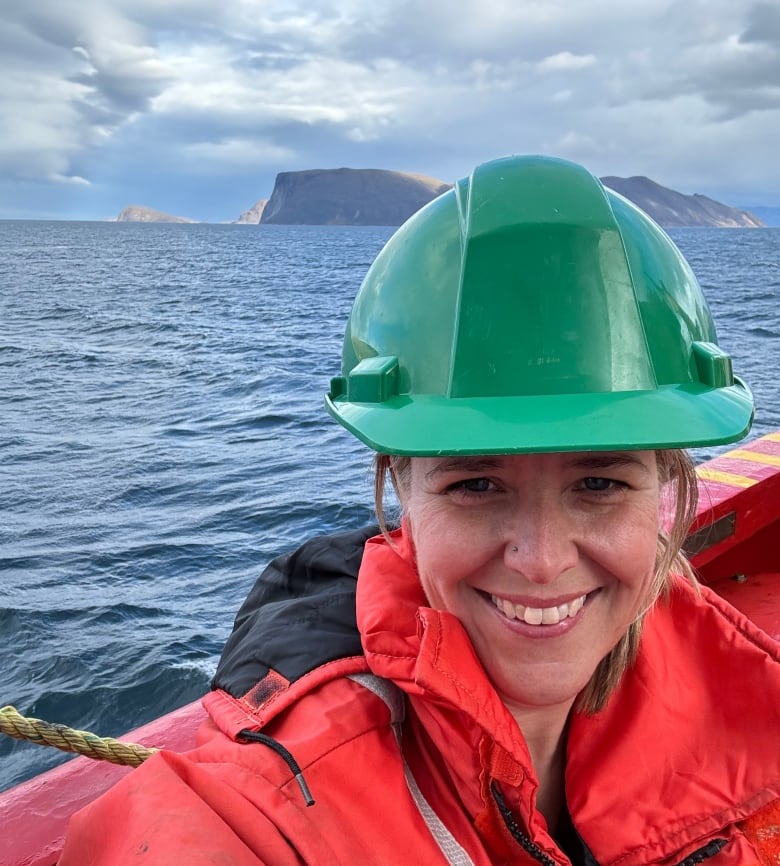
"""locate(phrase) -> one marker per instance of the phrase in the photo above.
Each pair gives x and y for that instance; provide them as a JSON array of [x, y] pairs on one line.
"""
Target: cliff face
[[671, 209], [349, 196], [139, 214]]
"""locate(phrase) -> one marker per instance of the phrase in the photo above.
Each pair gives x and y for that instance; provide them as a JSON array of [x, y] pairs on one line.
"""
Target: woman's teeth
[[539, 615]]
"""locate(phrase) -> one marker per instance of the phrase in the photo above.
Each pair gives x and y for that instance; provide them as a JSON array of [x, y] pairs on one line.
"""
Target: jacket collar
[[427, 652]]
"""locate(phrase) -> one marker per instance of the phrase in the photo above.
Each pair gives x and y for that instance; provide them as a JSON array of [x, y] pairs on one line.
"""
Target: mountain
[[349, 196], [672, 209], [139, 214]]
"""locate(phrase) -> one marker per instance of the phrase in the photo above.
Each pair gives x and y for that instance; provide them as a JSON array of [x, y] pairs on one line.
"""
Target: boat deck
[[734, 543]]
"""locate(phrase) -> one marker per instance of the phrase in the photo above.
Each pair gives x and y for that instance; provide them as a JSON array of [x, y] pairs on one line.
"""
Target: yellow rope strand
[[70, 740]]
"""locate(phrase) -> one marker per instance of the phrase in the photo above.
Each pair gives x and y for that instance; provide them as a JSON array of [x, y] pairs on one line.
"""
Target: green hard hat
[[529, 309]]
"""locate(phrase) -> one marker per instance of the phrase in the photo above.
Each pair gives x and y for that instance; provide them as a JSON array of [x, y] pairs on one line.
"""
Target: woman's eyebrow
[[464, 464], [606, 461]]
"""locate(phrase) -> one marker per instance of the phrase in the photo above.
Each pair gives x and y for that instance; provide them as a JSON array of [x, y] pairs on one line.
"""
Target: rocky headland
[[254, 214]]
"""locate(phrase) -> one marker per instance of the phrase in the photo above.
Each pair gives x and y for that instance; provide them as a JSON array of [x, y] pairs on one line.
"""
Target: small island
[[140, 214]]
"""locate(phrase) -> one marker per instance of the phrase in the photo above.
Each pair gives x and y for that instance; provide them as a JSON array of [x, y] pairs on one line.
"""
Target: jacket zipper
[[709, 850], [517, 834]]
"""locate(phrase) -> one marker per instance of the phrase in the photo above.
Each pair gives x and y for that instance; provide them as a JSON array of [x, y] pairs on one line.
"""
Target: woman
[[524, 671]]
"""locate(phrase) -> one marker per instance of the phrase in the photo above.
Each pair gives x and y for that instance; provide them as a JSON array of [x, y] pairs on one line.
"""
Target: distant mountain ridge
[[379, 197], [672, 209], [369, 196]]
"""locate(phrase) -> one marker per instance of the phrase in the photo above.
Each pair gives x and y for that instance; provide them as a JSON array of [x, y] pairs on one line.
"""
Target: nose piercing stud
[[514, 550]]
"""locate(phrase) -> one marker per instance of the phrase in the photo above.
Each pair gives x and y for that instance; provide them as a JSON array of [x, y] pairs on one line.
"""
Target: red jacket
[[411, 758]]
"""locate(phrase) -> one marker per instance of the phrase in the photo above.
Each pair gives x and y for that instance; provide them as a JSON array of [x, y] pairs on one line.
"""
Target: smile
[[539, 615]]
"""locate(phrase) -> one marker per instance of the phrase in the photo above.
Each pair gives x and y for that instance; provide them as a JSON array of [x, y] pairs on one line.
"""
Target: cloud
[[73, 74], [71, 179], [763, 24], [565, 61], [721, 64], [121, 78]]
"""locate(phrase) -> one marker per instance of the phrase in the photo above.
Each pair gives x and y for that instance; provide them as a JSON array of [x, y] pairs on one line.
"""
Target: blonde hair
[[678, 478]]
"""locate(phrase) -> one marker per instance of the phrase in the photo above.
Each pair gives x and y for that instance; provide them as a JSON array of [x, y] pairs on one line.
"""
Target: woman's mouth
[[539, 615]]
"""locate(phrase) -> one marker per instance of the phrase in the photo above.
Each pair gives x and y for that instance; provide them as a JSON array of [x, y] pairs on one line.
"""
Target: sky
[[193, 106]]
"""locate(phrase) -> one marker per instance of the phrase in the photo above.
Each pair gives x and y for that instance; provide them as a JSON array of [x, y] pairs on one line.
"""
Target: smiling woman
[[520, 552], [520, 671]]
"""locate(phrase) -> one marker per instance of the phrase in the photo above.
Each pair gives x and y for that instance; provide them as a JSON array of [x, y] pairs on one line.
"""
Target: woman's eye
[[472, 485], [600, 485]]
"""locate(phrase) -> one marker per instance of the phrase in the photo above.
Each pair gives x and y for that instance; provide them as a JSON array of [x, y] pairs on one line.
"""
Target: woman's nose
[[541, 545]]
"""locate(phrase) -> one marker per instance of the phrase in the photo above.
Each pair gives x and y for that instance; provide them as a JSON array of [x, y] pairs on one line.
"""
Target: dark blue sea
[[163, 436]]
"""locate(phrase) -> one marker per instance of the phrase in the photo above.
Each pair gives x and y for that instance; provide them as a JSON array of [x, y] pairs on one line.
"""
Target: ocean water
[[163, 437]]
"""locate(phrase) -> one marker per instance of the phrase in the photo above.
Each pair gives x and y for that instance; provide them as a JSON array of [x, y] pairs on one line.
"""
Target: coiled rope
[[68, 739]]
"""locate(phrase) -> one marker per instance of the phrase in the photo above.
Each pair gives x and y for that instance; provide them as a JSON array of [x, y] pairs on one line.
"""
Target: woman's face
[[545, 559]]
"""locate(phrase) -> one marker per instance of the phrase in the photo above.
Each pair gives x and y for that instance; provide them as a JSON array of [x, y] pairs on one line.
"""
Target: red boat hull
[[35, 813]]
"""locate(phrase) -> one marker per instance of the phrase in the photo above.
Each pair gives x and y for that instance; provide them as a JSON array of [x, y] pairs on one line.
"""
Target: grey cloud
[[271, 59], [115, 50], [118, 93], [763, 24], [731, 85], [22, 49], [73, 74]]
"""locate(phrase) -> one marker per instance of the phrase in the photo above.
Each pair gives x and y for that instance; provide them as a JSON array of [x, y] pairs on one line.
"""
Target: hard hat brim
[[672, 416]]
